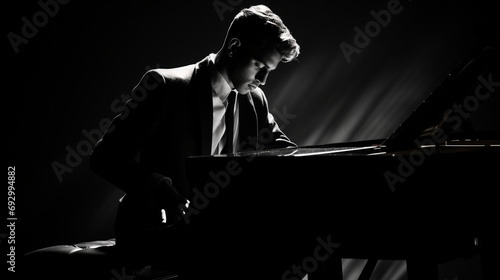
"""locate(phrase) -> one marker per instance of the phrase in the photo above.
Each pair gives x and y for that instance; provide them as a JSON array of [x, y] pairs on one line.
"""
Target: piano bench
[[94, 260]]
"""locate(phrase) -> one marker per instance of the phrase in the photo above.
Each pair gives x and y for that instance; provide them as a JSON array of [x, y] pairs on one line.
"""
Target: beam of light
[[384, 269], [339, 102], [352, 268]]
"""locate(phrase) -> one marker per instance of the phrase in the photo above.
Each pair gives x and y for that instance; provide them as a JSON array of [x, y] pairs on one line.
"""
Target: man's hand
[[166, 198]]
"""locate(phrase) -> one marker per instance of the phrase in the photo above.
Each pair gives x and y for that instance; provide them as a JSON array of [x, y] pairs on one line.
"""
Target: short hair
[[257, 26]]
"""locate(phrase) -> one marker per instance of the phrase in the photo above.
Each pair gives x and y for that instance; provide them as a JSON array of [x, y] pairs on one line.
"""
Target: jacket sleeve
[[114, 156], [270, 135]]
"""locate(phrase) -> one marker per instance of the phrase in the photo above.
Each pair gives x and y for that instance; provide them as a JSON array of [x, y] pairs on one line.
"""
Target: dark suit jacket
[[168, 118]]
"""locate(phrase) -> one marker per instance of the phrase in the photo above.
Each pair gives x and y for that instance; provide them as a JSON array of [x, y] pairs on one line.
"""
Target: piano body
[[426, 193]]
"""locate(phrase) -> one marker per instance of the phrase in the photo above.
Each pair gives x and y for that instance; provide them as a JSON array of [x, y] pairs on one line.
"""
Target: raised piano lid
[[465, 106]]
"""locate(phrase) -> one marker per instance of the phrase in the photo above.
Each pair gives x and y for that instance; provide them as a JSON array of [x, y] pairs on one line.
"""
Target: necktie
[[229, 116]]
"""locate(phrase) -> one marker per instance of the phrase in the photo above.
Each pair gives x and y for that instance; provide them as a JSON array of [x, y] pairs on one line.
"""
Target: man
[[183, 112]]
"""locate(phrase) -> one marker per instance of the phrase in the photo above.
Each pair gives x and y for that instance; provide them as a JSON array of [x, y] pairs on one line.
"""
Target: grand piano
[[424, 194]]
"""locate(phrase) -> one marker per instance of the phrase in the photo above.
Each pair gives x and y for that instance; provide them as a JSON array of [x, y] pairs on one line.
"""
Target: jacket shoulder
[[180, 74]]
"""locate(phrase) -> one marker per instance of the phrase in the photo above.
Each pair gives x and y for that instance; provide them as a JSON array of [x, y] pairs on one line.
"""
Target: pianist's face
[[249, 69]]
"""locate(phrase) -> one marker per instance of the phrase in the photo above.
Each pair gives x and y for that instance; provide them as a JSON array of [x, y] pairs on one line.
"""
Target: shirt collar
[[219, 85]]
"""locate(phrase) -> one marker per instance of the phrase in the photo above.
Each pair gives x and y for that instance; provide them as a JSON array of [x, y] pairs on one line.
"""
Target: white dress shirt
[[220, 94]]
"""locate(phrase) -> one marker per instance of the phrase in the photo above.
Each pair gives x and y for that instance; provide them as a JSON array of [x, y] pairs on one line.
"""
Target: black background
[[65, 79]]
